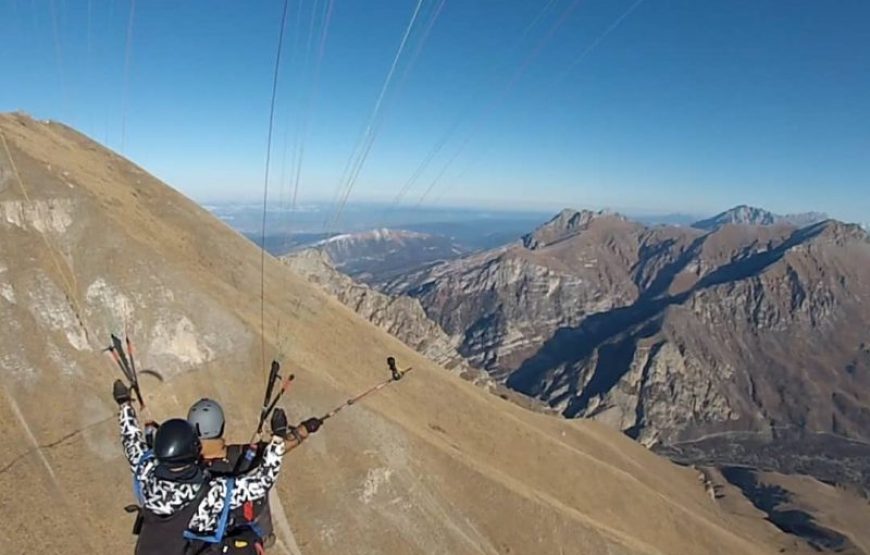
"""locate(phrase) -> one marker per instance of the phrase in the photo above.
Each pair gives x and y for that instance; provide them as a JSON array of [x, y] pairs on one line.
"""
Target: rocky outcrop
[[401, 316], [565, 224]]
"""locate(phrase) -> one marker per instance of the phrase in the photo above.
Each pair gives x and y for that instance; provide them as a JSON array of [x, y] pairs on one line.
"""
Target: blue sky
[[656, 105]]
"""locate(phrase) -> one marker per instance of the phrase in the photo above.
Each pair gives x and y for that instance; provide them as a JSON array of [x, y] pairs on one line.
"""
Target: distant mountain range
[[679, 336], [751, 215], [380, 255]]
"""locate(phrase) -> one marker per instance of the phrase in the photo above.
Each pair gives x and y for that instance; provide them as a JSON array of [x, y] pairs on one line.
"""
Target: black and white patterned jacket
[[163, 497]]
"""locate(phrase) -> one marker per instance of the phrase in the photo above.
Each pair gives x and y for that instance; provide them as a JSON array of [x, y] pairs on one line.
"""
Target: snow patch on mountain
[[382, 234]]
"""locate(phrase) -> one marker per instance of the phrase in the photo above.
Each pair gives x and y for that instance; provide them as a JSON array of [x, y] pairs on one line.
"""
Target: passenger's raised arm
[[132, 438]]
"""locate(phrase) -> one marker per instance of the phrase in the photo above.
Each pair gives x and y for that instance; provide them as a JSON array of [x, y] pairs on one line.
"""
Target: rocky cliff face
[[675, 336], [402, 316]]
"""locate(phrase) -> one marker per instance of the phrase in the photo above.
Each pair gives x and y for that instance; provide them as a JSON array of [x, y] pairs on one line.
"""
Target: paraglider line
[[128, 50], [369, 135], [266, 187]]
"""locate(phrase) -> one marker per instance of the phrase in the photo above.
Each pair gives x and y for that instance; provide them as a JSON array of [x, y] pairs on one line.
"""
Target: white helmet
[[207, 418]]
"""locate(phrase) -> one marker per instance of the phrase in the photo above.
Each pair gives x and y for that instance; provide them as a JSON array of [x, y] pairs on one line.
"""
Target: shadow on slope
[[664, 278], [773, 500], [570, 346]]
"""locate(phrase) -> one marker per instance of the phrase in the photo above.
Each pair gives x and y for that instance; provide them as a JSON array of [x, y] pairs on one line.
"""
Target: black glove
[[312, 425], [279, 423], [120, 392], [150, 431]]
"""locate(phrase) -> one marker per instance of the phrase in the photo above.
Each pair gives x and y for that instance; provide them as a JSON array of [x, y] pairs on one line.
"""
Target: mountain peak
[[741, 214], [837, 232], [744, 214], [564, 224]]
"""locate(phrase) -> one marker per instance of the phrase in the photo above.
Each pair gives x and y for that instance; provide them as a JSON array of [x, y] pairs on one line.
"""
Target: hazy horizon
[[633, 105], [310, 218]]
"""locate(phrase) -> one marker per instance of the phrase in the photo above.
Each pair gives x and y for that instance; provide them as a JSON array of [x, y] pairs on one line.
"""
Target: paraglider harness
[[229, 534], [239, 530], [244, 526]]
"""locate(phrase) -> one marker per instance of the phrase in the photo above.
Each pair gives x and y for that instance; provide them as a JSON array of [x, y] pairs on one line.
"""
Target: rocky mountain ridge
[[751, 215], [674, 335], [562, 226], [504, 303]]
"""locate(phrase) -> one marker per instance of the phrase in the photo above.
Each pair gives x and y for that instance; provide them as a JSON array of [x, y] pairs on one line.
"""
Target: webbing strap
[[255, 528], [137, 484]]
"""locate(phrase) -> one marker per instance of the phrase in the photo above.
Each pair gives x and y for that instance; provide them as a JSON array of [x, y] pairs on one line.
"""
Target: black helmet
[[176, 442]]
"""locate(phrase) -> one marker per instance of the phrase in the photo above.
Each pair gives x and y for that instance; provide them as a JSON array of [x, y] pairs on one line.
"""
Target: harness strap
[[147, 456], [256, 529]]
